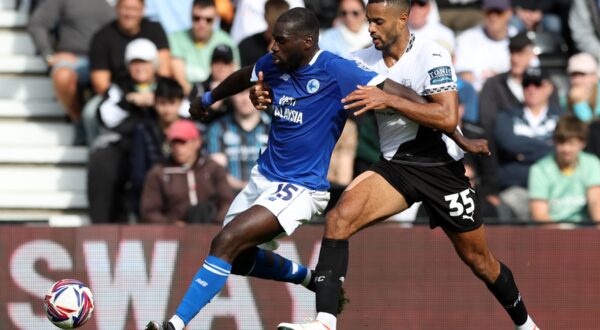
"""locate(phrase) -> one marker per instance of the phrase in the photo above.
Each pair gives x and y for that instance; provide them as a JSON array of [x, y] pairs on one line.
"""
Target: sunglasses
[[534, 83], [208, 19], [354, 13]]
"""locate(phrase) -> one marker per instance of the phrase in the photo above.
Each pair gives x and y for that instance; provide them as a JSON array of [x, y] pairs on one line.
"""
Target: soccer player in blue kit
[[288, 186]]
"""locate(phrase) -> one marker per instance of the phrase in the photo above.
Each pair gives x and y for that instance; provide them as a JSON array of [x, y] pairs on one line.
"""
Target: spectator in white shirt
[[422, 25]]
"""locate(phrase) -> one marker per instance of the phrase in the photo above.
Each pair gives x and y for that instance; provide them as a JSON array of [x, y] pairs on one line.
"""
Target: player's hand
[[366, 98], [478, 147], [197, 109], [260, 94]]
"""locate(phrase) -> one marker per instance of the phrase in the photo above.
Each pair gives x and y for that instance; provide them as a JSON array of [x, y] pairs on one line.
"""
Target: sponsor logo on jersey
[[288, 114], [440, 75], [313, 86], [287, 100]]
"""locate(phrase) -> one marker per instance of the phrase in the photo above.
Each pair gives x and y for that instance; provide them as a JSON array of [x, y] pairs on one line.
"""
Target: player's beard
[[386, 45], [291, 63]]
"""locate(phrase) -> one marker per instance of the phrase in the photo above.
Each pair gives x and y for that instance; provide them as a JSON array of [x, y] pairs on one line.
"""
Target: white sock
[[329, 320], [306, 280], [528, 325], [177, 322]]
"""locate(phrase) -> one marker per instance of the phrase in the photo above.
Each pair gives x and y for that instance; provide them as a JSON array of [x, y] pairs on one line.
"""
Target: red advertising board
[[399, 278]]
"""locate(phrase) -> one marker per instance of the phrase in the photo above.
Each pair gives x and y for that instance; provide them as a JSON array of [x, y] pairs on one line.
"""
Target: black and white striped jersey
[[427, 68]]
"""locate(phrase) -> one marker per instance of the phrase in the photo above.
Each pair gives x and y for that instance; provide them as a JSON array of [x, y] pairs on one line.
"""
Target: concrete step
[[22, 64], [42, 179], [8, 4], [16, 43], [31, 109], [26, 88], [54, 200], [16, 134], [12, 19], [43, 155]]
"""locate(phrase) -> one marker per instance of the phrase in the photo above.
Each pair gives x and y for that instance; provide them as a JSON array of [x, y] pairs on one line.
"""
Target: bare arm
[[100, 81], [178, 67], [540, 210], [235, 83], [440, 113], [593, 199], [164, 63]]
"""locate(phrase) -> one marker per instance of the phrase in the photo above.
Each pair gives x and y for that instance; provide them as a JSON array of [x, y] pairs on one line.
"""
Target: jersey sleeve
[[261, 65], [349, 74], [437, 74]]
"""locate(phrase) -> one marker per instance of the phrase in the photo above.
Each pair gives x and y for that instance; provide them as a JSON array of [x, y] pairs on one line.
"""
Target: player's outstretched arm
[[233, 84], [441, 112]]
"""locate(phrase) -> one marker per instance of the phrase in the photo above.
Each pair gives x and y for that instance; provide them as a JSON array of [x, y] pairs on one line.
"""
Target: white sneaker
[[312, 325]]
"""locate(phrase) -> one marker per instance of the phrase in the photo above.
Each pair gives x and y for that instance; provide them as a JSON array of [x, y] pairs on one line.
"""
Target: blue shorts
[[81, 67]]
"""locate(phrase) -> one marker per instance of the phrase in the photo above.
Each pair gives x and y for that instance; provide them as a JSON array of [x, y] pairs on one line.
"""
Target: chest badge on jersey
[[313, 86]]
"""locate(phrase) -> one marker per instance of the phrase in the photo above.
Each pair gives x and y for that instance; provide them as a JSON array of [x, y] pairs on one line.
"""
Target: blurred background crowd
[[125, 70]]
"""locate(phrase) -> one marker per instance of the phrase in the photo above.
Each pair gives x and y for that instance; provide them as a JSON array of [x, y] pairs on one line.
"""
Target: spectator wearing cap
[[584, 22], [255, 46], [501, 93], [221, 66], [460, 15], [565, 184], [584, 95], [108, 45], [482, 51], [74, 22], [107, 55], [420, 24], [149, 145], [351, 31], [538, 15], [236, 139], [523, 135], [126, 103], [192, 49], [187, 188]]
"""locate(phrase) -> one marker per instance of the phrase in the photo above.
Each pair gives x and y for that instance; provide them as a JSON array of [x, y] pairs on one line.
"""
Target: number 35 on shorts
[[462, 204]]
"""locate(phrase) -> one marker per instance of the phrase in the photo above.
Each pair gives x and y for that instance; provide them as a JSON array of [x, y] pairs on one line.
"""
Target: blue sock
[[271, 266], [209, 280]]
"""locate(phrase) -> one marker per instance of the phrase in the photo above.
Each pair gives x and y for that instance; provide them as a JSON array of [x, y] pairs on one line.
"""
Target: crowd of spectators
[[125, 71]]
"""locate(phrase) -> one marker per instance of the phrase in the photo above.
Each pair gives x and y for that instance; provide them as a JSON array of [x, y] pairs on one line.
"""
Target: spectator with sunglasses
[[192, 49], [523, 136], [350, 31]]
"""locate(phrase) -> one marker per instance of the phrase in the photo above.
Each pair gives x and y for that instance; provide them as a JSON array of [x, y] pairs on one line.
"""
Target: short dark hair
[[167, 88], [278, 5], [203, 3], [303, 22], [568, 127], [403, 5]]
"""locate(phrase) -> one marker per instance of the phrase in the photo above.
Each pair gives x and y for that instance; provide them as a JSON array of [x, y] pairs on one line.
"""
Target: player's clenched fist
[[199, 107]]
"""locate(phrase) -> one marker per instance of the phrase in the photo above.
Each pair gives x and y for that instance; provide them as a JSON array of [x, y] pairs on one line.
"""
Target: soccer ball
[[69, 304]]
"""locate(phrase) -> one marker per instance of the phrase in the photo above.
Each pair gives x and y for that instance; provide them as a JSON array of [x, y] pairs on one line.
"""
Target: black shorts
[[444, 190]]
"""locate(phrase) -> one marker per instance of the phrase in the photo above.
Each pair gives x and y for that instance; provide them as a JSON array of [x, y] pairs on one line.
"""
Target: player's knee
[[339, 224], [226, 244]]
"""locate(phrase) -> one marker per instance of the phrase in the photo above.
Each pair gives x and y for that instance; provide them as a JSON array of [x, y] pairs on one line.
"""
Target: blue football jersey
[[308, 116]]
